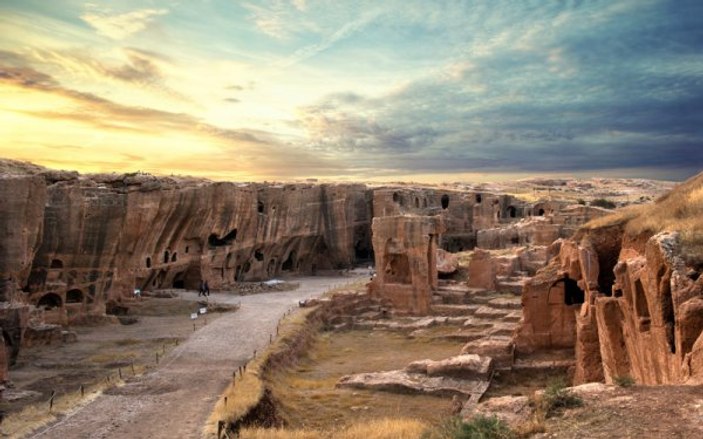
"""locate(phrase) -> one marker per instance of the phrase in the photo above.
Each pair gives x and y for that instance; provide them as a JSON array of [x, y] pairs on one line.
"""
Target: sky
[[355, 90]]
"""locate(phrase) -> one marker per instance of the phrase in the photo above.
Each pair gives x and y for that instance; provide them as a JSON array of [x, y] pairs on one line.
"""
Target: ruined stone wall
[[465, 214], [406, 268], [545, 223]]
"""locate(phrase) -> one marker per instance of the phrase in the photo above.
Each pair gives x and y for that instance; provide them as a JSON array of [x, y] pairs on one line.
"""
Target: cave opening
[[260, 207], [479, 198], [540, 212], [361, 251], [74, 296], [214, 241], [258, 255], [186, 249], [445, 201], [289, 262], [49, 301], [179, 281], [148, 262], [642, 306], [514, 240], [56, 263], [573, 295], [667, 308], [512, 212], [174, 257], [417, 203], [397, 266], [166, 257], [396, 197]]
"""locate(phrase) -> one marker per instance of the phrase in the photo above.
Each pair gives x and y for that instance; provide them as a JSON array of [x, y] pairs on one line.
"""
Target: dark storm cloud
[[614, 88]]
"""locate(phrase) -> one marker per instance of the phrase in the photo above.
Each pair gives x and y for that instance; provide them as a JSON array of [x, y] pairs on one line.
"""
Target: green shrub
[[624, 381], [557, 397], [479, 427]]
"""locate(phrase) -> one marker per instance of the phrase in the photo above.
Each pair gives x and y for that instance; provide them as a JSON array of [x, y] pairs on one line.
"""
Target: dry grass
[[309, 397], [246, 390], [680, 210], [386, 428]]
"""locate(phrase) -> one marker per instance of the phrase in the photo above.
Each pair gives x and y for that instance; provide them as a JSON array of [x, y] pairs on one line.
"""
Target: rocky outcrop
[[630, 306], [447, 263], [406, 266], [464, 375], [72, 243]]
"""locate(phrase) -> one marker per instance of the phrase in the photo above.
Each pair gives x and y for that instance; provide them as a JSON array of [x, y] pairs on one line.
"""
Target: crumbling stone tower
[[405, 249]]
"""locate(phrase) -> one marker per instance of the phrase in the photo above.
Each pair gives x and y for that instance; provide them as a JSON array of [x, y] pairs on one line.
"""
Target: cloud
[[139, 69], [232, 100], [120, 26], [103, 113]]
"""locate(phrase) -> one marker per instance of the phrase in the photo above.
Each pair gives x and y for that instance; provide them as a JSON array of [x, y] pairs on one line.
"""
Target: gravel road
[[175, 399]]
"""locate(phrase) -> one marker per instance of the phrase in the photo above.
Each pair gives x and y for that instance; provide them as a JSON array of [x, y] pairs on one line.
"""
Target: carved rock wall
[[406, 266], [75, 243], [641, 314]]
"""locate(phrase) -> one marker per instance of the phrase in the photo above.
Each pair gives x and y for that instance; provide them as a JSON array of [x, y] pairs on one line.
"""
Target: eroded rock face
[[406, 266], [631, 307], [84, 241]]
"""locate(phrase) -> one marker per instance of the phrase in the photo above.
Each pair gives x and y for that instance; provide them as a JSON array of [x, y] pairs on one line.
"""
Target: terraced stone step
[[489, 312], [513, 317], [506, 302], [453, 310]]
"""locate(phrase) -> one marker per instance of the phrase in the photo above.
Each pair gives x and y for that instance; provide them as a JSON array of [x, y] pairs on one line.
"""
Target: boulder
[[447, 263]]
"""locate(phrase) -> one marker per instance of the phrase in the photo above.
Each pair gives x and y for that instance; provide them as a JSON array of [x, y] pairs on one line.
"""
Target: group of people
[[203, 289]]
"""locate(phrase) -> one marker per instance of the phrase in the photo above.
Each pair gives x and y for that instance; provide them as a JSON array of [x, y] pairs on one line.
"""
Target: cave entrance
[[179, 281], [166, 257], [397, 267], [667, 307], [540, 212], [215, 241], [512, 212], [479, 198], [289, 263], [56, 263], [445, 201], [49, 301], [74, 296], [642, 306], [573, 295], [361, 251]]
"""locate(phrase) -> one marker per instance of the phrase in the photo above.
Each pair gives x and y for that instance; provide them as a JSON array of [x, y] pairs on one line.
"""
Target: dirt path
[[175, 399]]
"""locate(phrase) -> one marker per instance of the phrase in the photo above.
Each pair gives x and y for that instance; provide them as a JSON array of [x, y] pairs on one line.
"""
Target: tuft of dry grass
[[386, 428], [246, 390]]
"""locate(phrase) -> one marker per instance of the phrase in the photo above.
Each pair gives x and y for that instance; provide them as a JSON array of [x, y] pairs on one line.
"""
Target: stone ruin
[[406, 265], [76, 246]]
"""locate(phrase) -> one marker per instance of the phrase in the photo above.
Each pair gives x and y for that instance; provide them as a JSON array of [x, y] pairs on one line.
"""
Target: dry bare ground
[[175, 399]]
